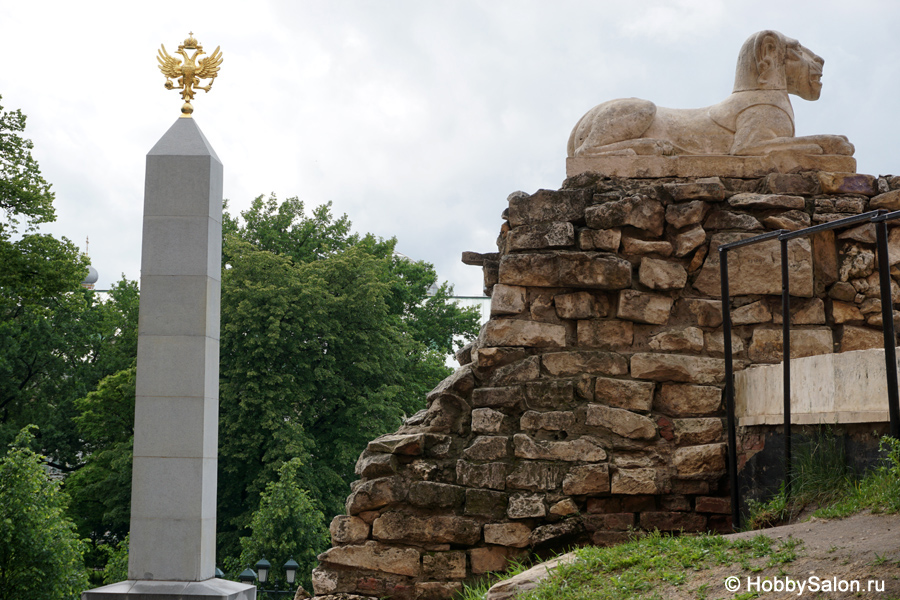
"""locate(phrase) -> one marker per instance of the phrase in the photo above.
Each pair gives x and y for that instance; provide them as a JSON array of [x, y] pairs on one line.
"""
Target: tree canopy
[[287, 525], [40, 552], [328, 339]]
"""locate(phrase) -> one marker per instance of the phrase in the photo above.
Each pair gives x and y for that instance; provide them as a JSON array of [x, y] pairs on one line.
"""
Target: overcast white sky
[[415, 118]]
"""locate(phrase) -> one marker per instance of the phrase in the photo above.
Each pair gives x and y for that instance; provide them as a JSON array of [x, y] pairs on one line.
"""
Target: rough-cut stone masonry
[[590, 407]]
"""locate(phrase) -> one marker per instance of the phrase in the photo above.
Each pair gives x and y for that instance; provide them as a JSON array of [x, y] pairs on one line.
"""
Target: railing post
[[786, 362], [729, 392], [887, 325]]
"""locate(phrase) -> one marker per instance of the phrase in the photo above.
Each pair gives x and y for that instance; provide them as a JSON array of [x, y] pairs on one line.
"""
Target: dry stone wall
[[590, 407]]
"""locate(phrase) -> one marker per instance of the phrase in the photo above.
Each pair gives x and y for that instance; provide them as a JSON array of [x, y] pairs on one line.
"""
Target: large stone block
[[746, 201], [690, 432], [686, 213], [586, 479], [579, 305], [527, 369], [516, 535], [491, 475], [611, 334], [860, 338], [548, 205], [637, 211], [677, 367], [374, 556], [373, 466], [706, 313], [497, 397], [585, 449], [644, 308], [624, 393], [594, 270], [487, 447], [376, 493], [548, 234], [548, 421], [556, 533], [517, 332], [460, 383], [566, 269], [766, 345], [699, 462], [710, 188], [637, 246], [444, 565], [688, 400], [485, 503], [566, 364], [535, 476], [405, 444], [549, 394], [634, 481], [621, 422], [659, 274], [526, 506], [847, 183], [507, 299], [756, 269], [683, 339], [691, 238], [487, 420], [432, 494], [435, 529], [599, 239], [489, 560], [348, 530]]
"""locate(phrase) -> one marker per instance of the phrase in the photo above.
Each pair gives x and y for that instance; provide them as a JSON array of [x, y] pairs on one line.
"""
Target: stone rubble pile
[[590, 407]]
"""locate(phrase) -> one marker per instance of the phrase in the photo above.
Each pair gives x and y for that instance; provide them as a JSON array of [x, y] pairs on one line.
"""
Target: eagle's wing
[[209, 66], [168, 64]]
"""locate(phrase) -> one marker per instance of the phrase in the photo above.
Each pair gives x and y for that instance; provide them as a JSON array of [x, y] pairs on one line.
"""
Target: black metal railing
[[880, 219]]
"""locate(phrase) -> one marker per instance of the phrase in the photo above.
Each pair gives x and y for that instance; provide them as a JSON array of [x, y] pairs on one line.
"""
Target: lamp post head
[[290, 568], [247, 576], [263, 567]]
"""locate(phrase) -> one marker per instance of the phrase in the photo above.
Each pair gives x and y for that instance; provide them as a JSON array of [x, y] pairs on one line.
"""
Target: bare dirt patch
[[862, 548]]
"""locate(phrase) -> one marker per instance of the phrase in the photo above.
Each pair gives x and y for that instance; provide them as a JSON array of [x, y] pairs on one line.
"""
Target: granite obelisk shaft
[[173, 493]]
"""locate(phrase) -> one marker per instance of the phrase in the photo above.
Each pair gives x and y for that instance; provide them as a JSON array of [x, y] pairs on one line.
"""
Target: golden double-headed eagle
[[190, 72]]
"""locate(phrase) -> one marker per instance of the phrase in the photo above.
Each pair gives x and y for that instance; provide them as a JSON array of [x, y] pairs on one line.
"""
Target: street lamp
[[263, 567], [247, 576], [290, 570]]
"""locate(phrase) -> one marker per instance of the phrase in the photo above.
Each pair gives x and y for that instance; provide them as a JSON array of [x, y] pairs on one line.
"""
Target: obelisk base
[[211, 589]]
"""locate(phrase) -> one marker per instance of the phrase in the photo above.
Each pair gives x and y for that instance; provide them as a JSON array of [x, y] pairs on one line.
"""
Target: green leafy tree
[[328, 339], [116, 568], [101, 488], [34, 265], [40, 552], [56, 349], [286, 525], [57, 340]]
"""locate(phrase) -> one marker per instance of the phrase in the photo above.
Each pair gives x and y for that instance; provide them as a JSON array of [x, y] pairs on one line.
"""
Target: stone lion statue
[[754, 120]]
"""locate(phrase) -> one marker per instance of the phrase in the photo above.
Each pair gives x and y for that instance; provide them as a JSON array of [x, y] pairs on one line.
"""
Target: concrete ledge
[[850, 387], [708, 165], [211, 589]]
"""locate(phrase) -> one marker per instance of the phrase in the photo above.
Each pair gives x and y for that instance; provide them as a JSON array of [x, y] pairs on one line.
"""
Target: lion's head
[[770, 60]]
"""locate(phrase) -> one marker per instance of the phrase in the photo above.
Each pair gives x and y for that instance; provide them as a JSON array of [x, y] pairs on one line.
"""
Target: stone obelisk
[[173, 493], [172, 551]]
